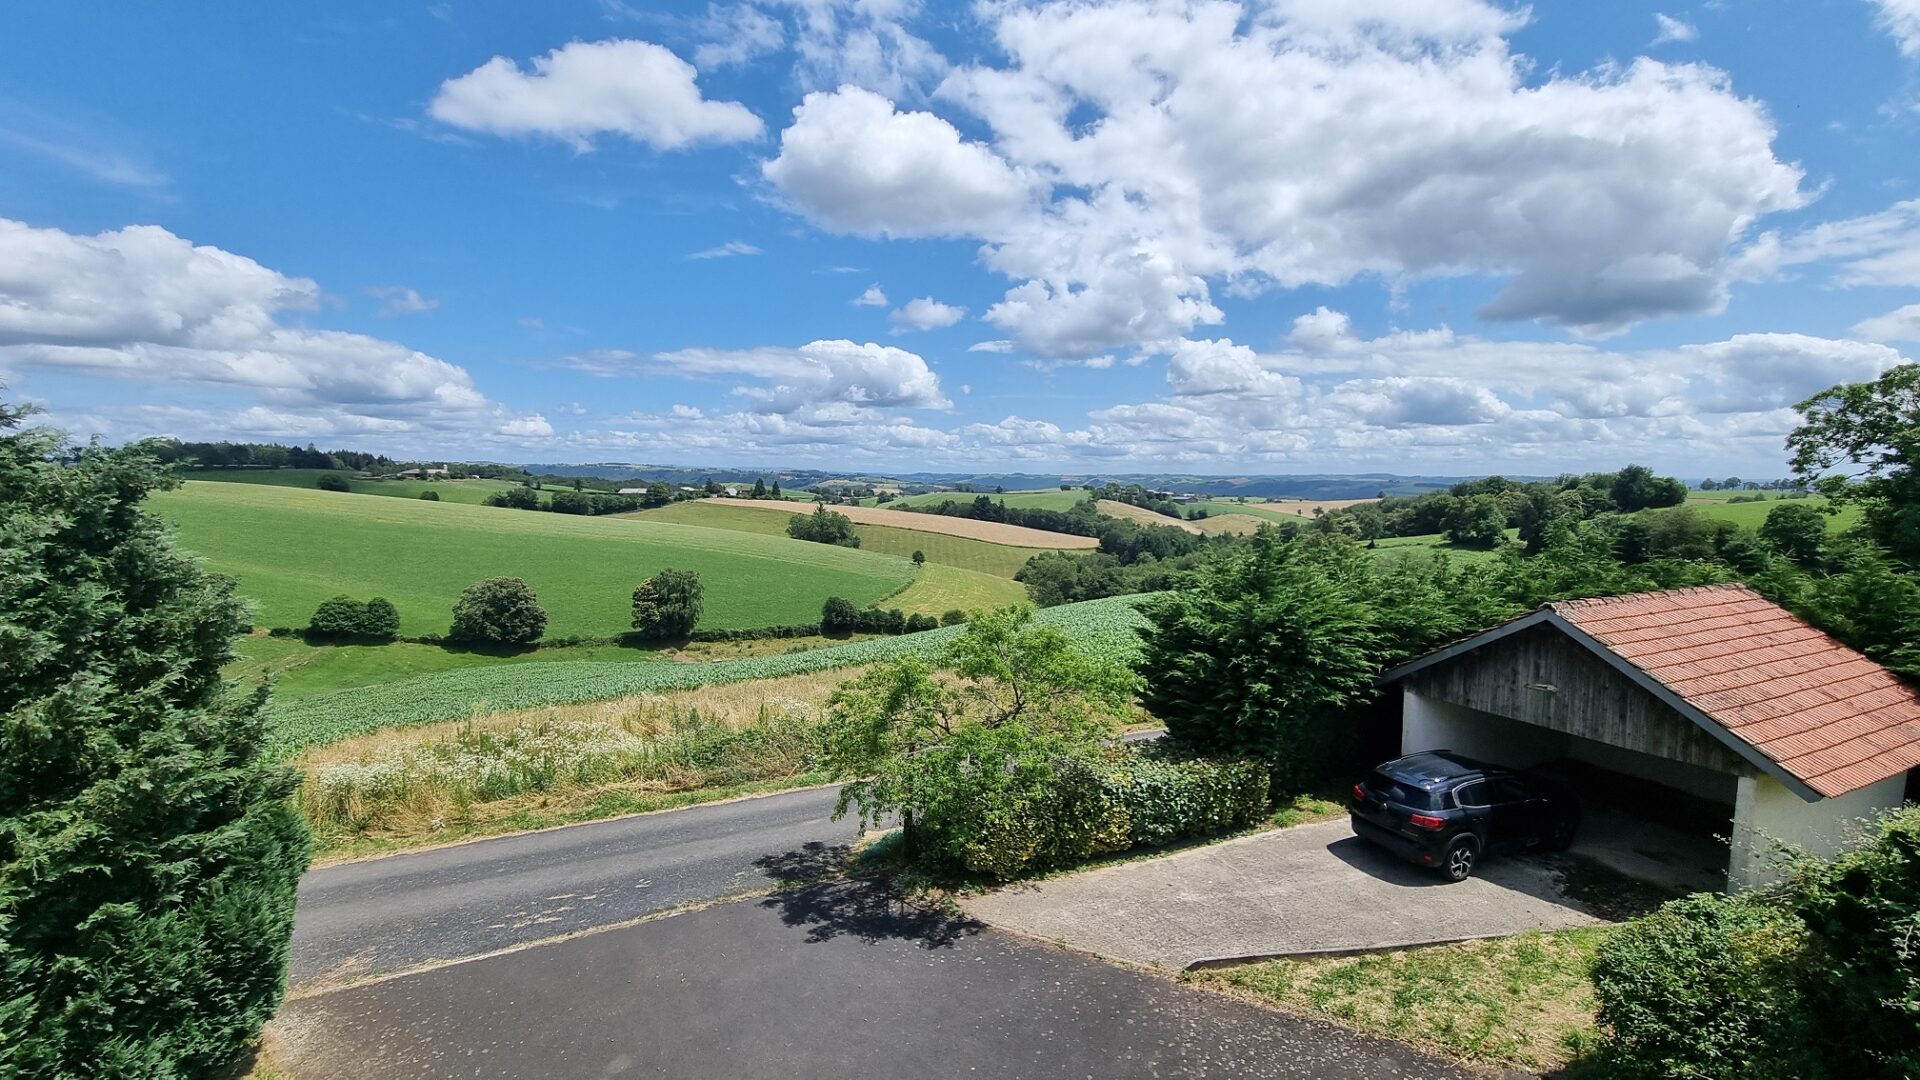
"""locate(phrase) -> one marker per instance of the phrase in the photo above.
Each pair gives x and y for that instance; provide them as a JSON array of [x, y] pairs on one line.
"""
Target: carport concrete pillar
[[1768, 817]]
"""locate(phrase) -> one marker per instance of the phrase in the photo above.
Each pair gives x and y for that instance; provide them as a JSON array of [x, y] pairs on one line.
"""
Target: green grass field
[[1754, 514], [965, 553], [1251, 509], [460, 491], [1432, 543], [292, 548]]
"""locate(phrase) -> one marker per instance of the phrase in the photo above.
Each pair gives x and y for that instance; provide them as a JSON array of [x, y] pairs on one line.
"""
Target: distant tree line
[[241, 455], [1478, 513]]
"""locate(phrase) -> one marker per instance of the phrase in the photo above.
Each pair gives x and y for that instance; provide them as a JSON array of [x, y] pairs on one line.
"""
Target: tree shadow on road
[[831, 905]]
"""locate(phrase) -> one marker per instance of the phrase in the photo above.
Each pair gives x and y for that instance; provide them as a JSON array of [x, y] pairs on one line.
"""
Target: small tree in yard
[[498, 611], [667, 605], [148, 849], [1797, 531], [1261, 655], [934, 739]]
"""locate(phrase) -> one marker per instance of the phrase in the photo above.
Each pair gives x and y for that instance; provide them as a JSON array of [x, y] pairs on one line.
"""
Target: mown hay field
[[945, 549], [292, 548], [990, 531]]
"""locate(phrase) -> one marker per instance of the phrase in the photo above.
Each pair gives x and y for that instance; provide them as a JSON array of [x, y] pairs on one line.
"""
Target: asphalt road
[[828, 980], [405, 911]]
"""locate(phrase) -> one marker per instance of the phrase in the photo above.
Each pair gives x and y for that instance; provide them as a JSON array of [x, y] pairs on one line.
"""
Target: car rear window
[[1387, 789]]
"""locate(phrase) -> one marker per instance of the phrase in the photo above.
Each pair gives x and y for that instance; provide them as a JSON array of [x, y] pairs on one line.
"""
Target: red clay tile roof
[[1825, 713]]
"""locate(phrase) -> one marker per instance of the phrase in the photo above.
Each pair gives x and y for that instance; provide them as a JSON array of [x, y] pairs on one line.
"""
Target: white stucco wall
[[1766, 814]]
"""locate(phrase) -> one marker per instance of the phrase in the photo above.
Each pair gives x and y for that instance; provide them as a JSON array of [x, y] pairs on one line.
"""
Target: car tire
[[1460, 859], [1560, 837]]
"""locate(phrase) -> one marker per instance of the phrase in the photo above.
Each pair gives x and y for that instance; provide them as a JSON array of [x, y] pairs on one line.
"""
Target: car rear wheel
[[1461, 857], [1560, 837]]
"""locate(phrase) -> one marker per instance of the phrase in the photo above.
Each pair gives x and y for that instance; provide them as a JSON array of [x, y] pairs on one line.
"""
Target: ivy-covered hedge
[[1092, 803]]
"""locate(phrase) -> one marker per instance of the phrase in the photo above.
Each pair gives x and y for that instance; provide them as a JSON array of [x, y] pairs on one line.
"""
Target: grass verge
[[1521, 1002]]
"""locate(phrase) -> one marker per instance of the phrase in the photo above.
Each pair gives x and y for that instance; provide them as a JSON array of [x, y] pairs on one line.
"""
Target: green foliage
[[148, 852], [498, 611], [1797, 531], [919, 557], [1477, 522], [430, 496], [1636, 488], [380, 620], [667, 605], [1101, 627], [1706, 986], [515, 498], [917, 623], [1261, 654], [964, 742], [1873, 427], [1754, 986], [1863, 914], [331, 481], [952, 617], [344, 618], [838, 616], [823, 526], [1170, 798]]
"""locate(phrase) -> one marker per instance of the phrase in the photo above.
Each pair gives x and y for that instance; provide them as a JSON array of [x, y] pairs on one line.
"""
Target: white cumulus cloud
[[924, 313], [586, 89]]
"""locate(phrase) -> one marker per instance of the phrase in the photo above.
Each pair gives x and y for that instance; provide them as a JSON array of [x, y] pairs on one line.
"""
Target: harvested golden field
[[1143, 516], [991, 531], [1237, 524]]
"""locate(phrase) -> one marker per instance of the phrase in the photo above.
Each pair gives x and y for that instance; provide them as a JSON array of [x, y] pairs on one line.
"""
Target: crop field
[[1142, 516], [965, 553], [939, 588], [291, 549], [991, 531], [1051, 499], [1237, 524], [300, 670], [460, 491], [1096, 626]]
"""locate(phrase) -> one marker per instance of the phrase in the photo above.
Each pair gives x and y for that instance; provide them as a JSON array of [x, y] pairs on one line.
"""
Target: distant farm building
[[1712, 701]]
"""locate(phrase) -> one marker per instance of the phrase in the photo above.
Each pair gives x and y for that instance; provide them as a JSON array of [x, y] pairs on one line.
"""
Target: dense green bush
[[148, 850], [823, 526], [1755, 986], [838, 616], [331, 482], [1862, 913], [952, 617], [1075, 805], [667, 605], [917, 622], [344, 618], [430, 495], [1706, 986], [499, 611]]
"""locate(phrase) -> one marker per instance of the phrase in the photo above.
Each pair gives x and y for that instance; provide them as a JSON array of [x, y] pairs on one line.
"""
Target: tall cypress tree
[[148, 850]]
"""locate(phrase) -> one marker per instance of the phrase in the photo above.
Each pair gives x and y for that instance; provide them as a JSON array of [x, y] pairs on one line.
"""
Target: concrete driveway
[[1307, 889]]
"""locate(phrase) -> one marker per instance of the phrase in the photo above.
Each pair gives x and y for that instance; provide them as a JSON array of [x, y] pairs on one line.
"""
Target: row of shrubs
[[1817, 978], [505, 611], [1087, 803]]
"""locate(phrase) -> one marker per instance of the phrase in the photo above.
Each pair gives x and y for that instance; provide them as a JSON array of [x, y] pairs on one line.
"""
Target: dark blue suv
[[1441, 810]]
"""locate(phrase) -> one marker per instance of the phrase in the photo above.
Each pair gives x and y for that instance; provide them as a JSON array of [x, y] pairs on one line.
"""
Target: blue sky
[[1450, 236]]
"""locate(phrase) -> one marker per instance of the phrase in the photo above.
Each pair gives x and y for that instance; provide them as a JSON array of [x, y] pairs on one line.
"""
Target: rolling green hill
[[1045, 500], [462, 491], [292, 548]]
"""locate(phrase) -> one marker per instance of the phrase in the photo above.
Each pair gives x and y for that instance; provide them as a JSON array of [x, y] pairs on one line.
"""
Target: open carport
[[1701, 713]]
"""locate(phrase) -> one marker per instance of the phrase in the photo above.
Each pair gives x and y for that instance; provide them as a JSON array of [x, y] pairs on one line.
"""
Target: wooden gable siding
[[1592, 700]]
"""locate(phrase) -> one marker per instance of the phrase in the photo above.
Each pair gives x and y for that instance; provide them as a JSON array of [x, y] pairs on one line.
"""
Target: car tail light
[[1427, 821], [1359, 793]]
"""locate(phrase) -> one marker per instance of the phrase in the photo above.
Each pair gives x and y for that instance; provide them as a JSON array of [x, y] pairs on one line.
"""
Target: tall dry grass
[[422, 779]]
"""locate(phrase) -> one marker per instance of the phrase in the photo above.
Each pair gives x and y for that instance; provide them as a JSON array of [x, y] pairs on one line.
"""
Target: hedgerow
[[1106, 626]]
